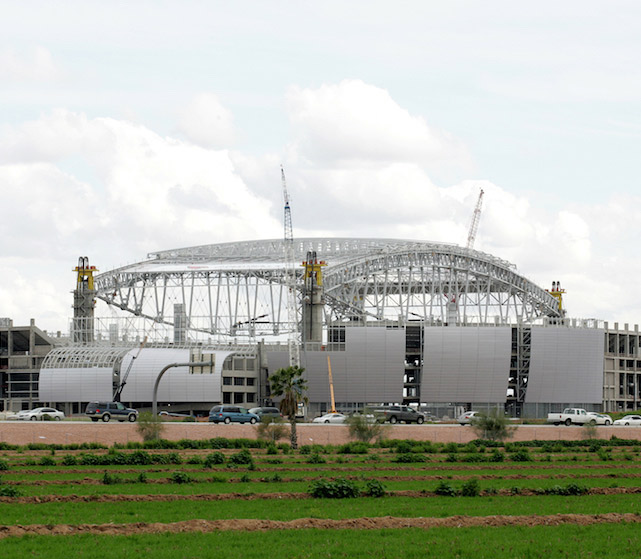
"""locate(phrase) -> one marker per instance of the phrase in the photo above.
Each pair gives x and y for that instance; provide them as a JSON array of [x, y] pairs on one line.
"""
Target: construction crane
[[471, 236], [290, 280], [123, 379], [331, 386]]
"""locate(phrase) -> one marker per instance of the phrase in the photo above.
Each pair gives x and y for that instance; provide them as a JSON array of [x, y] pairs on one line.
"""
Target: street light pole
[[154, 405]]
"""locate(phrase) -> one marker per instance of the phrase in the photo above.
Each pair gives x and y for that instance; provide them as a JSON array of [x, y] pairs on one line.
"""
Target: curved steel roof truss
[[239, 288]]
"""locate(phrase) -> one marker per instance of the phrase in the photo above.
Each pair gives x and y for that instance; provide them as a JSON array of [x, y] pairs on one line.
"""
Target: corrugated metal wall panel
[[464, 364], [75, 385], [566, 366]]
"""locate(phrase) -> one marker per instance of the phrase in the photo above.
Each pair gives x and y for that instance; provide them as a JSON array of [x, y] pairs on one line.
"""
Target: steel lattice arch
[[228, 290]]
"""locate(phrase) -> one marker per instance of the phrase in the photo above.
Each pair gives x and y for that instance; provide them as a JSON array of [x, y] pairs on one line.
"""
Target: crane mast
[[471, 237], [290, 280]]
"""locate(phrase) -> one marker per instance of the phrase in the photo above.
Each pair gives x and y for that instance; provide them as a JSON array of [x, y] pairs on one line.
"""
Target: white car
[[467, 417], [629, 420], [330, 418], [38, 414], [600, 418]]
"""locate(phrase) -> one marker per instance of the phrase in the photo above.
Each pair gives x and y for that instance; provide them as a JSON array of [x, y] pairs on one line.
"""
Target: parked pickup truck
[[394, 414], [569, 416]]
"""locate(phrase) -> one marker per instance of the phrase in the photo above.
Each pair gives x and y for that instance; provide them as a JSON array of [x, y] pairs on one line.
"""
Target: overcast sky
[[130, 127]]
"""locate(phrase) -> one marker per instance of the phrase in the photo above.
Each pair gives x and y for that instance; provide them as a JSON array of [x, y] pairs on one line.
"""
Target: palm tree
[[290, 384]]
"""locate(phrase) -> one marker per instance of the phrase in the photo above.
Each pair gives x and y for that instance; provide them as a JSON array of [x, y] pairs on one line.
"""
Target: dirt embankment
[[77, 432], [379, 523]]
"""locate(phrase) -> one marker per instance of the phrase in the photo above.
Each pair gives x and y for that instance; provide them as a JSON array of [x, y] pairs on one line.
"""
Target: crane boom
[[290, 280], [123, 380], [471, 237]]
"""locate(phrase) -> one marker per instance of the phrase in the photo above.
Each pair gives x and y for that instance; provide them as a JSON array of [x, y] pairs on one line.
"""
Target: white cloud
[[35, 65], [359, 124], [207, 123]]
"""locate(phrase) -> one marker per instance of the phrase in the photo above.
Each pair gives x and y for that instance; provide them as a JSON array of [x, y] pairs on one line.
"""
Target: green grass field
[[176, 485]]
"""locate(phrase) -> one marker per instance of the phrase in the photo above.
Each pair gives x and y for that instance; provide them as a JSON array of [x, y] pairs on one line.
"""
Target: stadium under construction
[[435, 325]]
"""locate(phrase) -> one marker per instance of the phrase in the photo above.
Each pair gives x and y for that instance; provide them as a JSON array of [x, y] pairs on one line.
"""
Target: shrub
[[4, 465], [8, 491], [492, 426], [271, 449], [471, 488], [409, 458], [272, 429], [47, 461], [476, 457], [445, 489], [149, 426], [451, 457], [213, 459], [336, 489], [142, 477], [521, 456], [316, 459], [354, 448], [69, 460], [110, 479], [497, 456], [180, 477], [242, 457], [374, 488], [570, 489], [364, 428], [194, 460], [245, 478]]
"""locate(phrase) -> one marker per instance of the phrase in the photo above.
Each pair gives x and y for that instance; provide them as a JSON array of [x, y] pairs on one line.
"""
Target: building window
[[239, 364], [226, 381], [226, 397], [239, 398], [250, 397], [250, 364], [251, 381], [239, 381]]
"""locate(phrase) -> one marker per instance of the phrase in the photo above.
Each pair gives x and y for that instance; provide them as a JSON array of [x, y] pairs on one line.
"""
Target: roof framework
[[233, 289]]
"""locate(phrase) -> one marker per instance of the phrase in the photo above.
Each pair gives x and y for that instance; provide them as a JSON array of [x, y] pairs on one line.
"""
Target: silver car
[[629, 420], [467, 417], [38, 414]]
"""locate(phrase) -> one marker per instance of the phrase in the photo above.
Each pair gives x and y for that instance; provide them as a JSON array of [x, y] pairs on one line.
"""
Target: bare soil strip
[[379, 523]]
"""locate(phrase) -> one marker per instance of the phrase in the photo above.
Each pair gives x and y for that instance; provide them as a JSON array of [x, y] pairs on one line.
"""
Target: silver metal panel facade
[[75, 385], [464, 364], [566, 366], [177, 384], [369, 370], [96, 383]]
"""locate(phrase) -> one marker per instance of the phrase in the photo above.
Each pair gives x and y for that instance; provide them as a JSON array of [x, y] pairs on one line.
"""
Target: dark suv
[[108, 410]]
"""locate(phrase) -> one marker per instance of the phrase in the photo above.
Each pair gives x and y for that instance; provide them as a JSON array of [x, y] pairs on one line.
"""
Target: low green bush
[[471, 488], [409, 458], [180, 477], [334, 489], [374, 488], [213, 459], [445, 489], [315, 459], [9, 491], [357, 447], [241, 458]]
